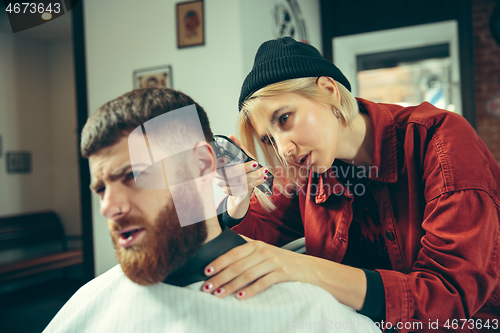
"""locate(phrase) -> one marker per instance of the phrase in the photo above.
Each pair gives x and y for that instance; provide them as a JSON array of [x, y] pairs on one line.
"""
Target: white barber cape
[[113, 303]]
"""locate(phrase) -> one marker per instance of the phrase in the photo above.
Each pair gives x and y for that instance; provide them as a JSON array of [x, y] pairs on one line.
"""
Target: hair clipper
[[228, 153]]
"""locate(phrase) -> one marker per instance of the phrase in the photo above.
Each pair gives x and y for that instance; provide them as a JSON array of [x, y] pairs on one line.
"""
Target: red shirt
[[437, 190]]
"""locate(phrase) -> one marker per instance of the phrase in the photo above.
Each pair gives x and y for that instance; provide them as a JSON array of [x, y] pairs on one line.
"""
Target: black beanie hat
[[284, 59]]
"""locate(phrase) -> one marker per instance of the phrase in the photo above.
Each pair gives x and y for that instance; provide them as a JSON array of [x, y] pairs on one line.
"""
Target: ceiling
[[55, 30]]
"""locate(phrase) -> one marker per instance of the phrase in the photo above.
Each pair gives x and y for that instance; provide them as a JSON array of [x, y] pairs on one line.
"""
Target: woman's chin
[[319, 169]]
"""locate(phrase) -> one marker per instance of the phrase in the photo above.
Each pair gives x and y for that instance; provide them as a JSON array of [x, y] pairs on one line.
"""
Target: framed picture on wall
[[190, 24], [160, 76], [18, 162]]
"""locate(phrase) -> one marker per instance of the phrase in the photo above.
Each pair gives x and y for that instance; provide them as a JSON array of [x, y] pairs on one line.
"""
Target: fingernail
[[241, 294], [207, 287], [266, 171], [265, 177], [219, 291], [254, 165], [209, 270]]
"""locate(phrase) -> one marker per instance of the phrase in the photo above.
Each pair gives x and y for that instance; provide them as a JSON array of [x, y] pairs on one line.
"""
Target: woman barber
[[399, 206]]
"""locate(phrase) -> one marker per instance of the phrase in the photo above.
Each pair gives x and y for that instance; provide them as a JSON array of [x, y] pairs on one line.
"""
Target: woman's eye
[[267, 140], [100, 190], [283, 118], [129, 176]]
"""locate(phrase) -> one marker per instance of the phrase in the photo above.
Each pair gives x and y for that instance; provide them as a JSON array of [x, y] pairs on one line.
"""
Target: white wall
[[123, 36], [24, 116], [37, 114], [257, 25]]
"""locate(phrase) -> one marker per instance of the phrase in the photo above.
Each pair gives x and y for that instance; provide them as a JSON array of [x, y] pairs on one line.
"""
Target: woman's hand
[[255, 266], [239, 181]]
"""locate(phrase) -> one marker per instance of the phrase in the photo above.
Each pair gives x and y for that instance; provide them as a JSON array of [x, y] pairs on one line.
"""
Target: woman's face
[[306, 132]]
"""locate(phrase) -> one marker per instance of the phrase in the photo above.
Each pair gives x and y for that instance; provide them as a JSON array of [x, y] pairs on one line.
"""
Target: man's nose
[[115, 202]]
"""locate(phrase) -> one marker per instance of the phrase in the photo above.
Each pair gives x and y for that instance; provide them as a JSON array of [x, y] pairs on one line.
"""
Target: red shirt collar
[[385, 145]]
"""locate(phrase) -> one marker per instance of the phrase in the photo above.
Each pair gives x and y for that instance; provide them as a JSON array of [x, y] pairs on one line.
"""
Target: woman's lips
[[307, 161], [304, 160], [130, 236]]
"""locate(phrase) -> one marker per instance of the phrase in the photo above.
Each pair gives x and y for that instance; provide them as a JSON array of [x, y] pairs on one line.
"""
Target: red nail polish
[[209, 270], [265, 177], [266, 171], [207, 287], [219, 291], [241, 294], [254, 165]]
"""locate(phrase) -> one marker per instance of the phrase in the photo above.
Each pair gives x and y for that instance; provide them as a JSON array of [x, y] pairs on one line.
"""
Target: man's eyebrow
[[114, 175], [120, 171], [94, 186]]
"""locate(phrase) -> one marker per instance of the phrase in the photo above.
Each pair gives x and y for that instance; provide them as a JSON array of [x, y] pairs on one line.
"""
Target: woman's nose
[[286, 147], [114, 203]]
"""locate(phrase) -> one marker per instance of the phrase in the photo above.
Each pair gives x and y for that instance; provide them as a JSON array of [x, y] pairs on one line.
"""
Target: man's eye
[[283, 118]]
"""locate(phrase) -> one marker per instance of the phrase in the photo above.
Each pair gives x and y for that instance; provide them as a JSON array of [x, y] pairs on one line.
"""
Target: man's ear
[[330, 85], [204, 158]]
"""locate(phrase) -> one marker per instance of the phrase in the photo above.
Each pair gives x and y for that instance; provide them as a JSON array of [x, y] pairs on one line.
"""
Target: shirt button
[[389, 235], [377, 185]]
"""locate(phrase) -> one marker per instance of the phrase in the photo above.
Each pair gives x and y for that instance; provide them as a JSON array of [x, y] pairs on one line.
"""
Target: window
[[405, 66]]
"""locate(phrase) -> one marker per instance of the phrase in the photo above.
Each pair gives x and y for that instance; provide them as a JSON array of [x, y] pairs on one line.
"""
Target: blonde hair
[[285, 175]]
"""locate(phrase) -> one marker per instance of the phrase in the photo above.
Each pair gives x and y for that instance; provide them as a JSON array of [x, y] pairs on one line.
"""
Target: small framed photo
[[160, 77], [18, 162], [190, 24]]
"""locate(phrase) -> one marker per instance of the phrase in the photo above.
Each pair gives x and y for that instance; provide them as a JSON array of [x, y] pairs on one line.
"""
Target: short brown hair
[[114, 119]]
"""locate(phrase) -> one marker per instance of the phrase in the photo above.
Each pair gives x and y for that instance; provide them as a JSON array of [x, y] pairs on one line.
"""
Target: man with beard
[[152, 168]]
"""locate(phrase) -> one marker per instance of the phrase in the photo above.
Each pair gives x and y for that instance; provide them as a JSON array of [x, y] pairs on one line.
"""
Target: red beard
[[166, 247]]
